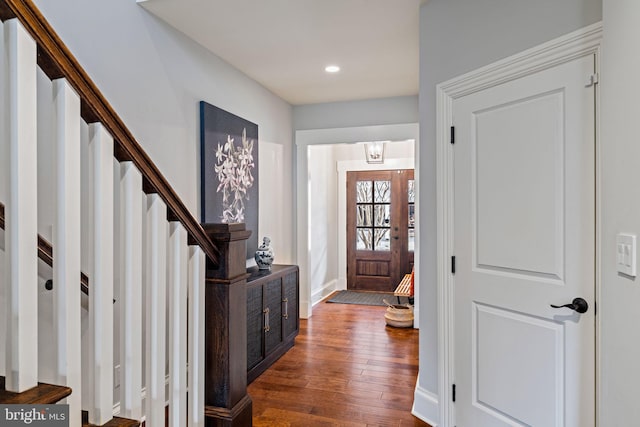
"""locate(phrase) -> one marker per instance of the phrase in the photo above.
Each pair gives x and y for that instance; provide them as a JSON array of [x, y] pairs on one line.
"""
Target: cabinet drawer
[[290, 318], [255, 325], [273, 302]]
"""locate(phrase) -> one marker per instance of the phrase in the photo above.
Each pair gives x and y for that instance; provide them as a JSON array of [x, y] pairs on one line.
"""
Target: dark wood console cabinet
[[273, 319]]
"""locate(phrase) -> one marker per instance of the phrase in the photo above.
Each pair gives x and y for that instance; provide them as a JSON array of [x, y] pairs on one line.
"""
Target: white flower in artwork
[[234, 167]]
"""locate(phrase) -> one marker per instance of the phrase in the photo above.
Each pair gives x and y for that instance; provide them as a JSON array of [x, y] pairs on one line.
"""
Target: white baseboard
[[426, 406], [305, 309], [324, 292]]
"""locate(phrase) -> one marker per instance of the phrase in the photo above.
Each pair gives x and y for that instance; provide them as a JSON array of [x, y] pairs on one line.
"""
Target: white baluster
[[177, 324], [66, 245], [21, 227], [101, 274], [196, 336], [4, 134], [130, 291], [156, 237]]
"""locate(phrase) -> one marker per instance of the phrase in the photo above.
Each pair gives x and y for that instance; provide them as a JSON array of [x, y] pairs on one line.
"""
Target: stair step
[[42, 394], [115, 422]]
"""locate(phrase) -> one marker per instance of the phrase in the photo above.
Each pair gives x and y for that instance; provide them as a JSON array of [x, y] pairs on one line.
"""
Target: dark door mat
[[362, 298]]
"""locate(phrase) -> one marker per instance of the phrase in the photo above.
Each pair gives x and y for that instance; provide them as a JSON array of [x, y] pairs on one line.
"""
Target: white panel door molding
[[516, 207]]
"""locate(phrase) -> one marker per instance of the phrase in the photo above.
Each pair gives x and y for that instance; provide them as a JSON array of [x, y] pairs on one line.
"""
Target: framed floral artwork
[[229, 170]]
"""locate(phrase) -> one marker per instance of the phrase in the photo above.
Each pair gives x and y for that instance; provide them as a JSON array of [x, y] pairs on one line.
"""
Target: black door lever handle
[[578, 304]]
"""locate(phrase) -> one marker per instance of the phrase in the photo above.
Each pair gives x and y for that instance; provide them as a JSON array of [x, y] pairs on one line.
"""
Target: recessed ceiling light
[[332, 68]]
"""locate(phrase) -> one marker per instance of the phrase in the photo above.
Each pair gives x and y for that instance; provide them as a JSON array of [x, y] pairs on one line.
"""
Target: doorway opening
[[328, 166]]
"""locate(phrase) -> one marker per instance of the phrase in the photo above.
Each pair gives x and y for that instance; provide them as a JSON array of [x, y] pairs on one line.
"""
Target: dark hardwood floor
[[347, 368]]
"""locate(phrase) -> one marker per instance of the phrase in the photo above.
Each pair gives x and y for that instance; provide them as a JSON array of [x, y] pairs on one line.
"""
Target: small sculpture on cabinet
[[264, 255]]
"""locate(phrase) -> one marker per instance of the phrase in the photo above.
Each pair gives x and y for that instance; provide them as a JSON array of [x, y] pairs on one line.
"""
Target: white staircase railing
[[66, 241], [195, 382], [156, 307], [21, 266], [130, 290], [119, 232], [178, 276], [100, 250]]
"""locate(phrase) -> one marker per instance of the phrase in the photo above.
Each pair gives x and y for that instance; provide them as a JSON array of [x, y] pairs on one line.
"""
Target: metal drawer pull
[[286, 308], [267, 328]]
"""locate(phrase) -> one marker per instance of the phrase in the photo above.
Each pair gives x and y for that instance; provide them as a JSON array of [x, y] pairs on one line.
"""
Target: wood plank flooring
[[347, 368]]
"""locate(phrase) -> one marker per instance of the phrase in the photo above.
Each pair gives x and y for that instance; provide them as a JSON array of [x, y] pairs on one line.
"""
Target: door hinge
[[453, 135], [593, 79], [453, 392], [453, 265]]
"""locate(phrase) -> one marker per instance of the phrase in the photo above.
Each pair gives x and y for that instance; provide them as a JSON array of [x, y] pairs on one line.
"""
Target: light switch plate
[[626, 254]]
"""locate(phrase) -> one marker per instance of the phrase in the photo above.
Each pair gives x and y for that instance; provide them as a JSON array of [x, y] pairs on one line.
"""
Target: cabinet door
[[290, 304], [255, 326], [273, 301]]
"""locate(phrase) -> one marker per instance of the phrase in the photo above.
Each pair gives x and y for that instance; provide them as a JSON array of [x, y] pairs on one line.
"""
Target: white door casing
[[517, 209]]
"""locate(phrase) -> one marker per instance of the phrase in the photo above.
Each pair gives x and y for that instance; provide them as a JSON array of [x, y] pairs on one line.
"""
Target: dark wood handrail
[[45, 253], [55, 59]]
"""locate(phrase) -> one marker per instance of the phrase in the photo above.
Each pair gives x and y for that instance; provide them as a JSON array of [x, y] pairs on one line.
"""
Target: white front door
[[524, 227]]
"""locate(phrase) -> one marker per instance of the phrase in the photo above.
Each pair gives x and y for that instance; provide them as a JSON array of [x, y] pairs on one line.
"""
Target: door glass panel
[[382, 239], [412, 216], [382, 215], [363, 192], [382, 192], [411, 220], [364, 239], [412, 238], [364, 216], [411, 191]]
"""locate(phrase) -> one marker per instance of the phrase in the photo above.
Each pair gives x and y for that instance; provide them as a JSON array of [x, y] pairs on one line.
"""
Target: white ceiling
[[285, 44]]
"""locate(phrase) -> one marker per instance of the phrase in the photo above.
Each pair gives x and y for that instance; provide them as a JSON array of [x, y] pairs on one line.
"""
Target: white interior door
[[524, 227]]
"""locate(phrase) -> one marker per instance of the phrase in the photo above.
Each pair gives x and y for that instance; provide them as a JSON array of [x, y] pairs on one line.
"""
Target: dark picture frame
[[229, 170]]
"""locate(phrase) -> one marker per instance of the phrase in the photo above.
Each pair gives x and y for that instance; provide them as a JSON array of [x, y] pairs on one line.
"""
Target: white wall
[[457, 37], [620, 156], [380, 111], [154, 78], [323, 218], [393, 150]]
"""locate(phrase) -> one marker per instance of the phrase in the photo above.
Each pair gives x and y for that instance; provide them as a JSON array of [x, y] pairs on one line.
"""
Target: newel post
[[227, 403]]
